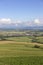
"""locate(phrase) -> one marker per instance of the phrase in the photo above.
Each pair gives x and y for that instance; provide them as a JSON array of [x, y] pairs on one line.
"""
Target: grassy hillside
[[16, 53], [31, 60], [21, 50]]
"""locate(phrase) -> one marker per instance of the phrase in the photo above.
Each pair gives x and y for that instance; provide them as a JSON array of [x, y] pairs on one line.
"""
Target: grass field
[[19, 39], [21, 51], [31, 60]]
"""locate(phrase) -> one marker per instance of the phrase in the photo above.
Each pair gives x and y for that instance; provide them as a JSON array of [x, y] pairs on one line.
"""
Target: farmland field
[[21, 51], [16, 53]]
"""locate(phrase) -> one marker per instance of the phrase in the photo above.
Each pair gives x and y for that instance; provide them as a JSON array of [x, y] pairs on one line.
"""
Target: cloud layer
[[9, 22], [5, 21]]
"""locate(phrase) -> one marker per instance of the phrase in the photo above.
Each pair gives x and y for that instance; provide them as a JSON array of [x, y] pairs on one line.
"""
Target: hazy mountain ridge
[[23, 28]]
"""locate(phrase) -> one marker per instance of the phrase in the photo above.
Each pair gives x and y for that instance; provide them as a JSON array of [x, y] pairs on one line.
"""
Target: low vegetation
[[32, 60], [36, 46], [21, 50]]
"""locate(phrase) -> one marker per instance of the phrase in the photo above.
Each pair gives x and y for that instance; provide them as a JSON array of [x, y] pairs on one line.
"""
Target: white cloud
[[10, 22], [37, 21], [5, 21]]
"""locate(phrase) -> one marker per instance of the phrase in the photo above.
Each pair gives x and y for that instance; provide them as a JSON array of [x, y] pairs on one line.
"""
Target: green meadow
[[21, 51]]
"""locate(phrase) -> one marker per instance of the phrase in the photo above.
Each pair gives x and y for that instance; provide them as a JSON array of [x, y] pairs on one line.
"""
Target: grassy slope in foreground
[[20, 53], [16, 49], [31, 60]]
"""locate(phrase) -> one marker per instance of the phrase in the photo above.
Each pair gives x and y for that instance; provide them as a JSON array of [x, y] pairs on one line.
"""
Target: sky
[[21, 12]]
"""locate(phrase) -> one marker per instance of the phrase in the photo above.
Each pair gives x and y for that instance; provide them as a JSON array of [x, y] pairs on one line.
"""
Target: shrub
[[36, 46], [34, 40]]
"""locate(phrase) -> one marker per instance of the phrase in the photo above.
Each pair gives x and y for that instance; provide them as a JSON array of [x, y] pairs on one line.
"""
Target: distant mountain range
[[35, 27], [24, 28]]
